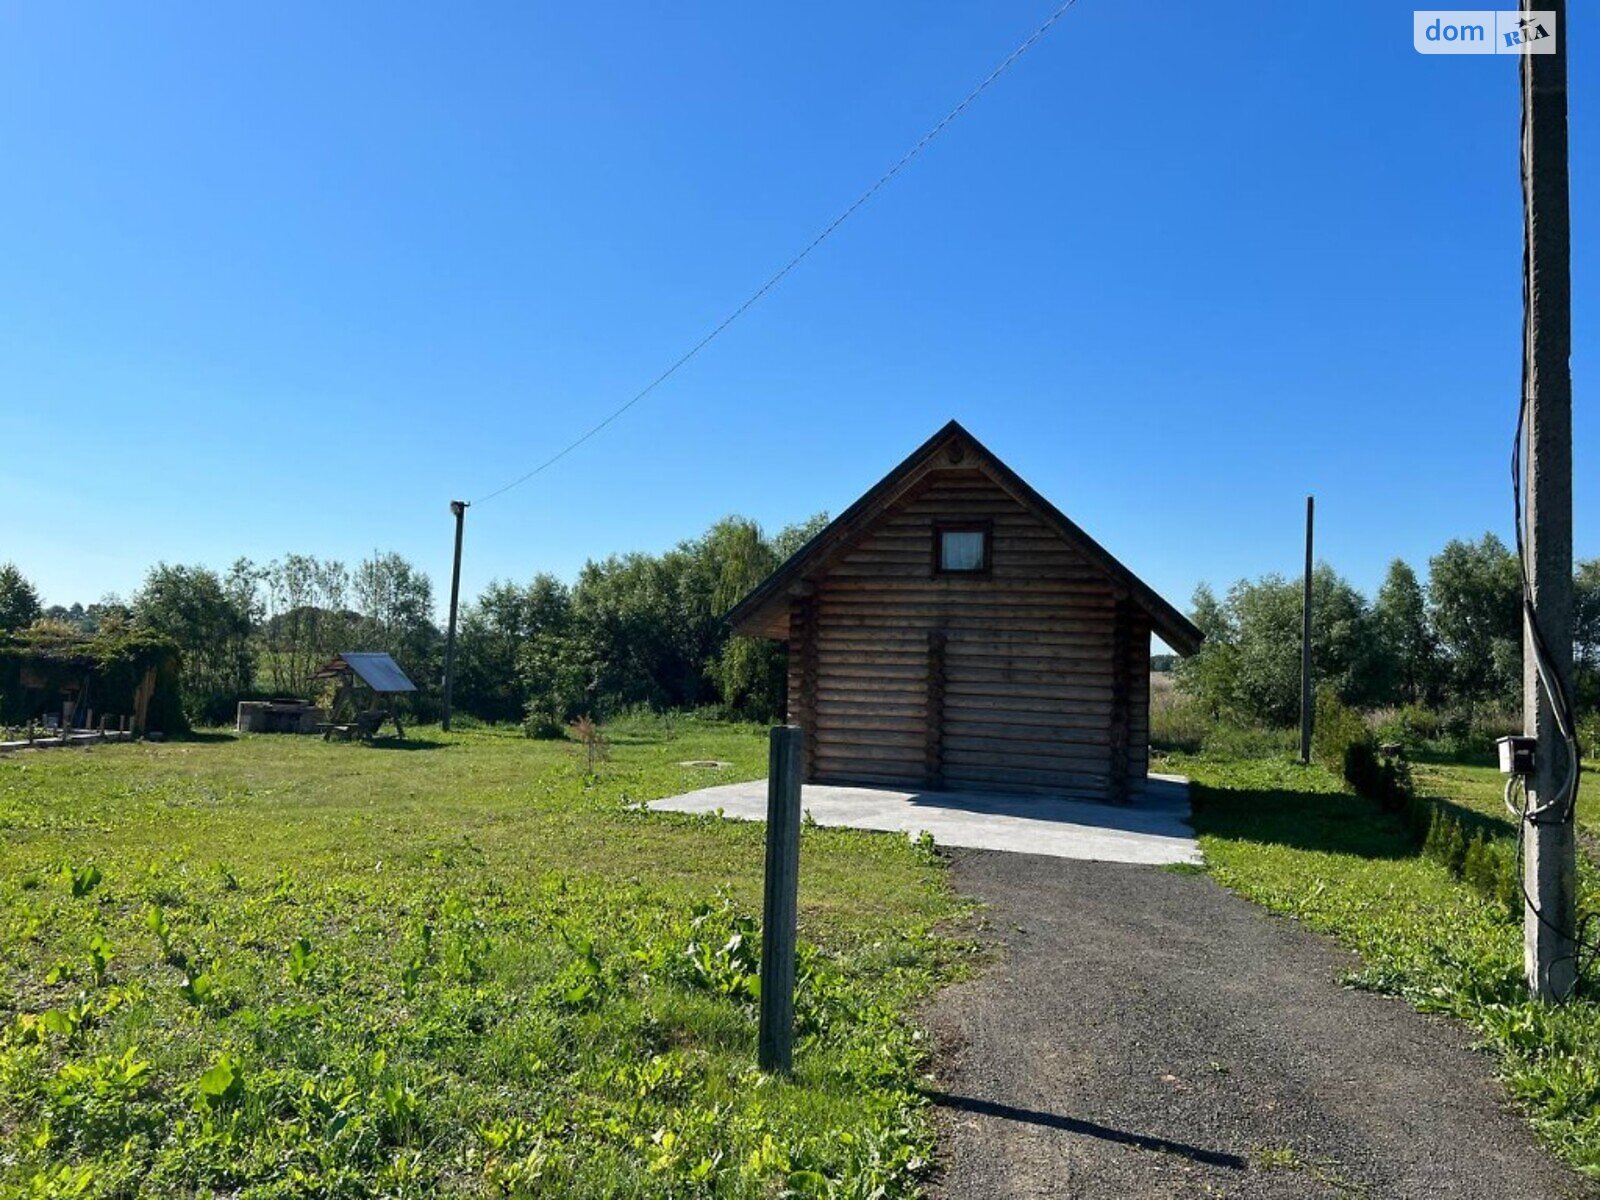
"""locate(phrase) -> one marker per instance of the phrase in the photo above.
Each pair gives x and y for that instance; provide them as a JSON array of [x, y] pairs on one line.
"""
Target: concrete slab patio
[[1154, 830]]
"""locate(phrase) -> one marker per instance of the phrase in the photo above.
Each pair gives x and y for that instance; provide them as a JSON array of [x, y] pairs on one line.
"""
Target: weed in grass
[[471, 971]]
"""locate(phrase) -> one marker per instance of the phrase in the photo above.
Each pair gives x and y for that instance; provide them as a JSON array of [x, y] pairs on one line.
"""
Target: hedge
[[1471, 846]]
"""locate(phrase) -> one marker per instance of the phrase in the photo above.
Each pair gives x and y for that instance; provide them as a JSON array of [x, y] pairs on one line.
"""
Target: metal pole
[[779, 917], [1305, 643], [1550, 858], [459, 508]]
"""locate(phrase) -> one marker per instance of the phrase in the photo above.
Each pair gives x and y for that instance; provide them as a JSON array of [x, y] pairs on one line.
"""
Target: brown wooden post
[[934, 714], [779, 914], [803, 642], [1121, 696]]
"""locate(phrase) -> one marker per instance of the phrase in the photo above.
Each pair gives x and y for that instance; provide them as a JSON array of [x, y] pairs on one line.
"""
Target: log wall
[[1019, 680]]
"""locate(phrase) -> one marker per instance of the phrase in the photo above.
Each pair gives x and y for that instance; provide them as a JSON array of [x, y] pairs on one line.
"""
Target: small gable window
[[961, 549]]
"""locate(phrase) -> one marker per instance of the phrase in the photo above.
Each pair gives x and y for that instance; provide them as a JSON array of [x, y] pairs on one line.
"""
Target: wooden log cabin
[[952, 629]]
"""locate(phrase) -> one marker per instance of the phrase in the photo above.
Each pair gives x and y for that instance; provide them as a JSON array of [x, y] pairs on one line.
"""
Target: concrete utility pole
[[1305, 644], [1550, 859], [459, 508]]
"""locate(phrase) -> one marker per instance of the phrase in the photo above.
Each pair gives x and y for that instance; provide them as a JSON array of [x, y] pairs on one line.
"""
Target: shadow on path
[[1007, 1112]]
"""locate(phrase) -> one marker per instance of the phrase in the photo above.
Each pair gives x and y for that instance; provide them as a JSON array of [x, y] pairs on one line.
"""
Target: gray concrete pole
[[1305, 644], [459, 508], [779, 918], [1550, 860]]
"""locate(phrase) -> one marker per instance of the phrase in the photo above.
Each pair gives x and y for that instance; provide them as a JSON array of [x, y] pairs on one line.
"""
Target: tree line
[[1450, 641], [634, 629], [648, 630]]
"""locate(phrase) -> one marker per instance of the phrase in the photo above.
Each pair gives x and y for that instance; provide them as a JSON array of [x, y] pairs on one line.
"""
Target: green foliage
[[1249, 666], [1335, 728], [507, 980], [509, 642], [1408, 650], [19, 599], [394, 603], [301, 604], [210, 624], [37, 665], [635, 630], [1474, 599], [1453, 644]]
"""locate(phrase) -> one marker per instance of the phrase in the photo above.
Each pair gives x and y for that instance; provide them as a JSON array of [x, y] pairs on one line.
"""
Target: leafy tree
[[492, 679], [1405, 637], [394, 606], [307, 618], [1249, 666], [1475, 605], [19, 599], [204, 616], [1212, 672]]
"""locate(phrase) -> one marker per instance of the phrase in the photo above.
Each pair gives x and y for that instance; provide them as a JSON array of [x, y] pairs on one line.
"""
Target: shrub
[[1412, 725], [1337, 727], [543, 725]]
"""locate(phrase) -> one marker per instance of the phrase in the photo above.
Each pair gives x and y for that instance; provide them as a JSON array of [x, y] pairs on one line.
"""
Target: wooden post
[[459, 508], [775, 1046], [1550, 869], [1121, 698], [804, 653], [30, 731], [933, 712], [1305, 644]]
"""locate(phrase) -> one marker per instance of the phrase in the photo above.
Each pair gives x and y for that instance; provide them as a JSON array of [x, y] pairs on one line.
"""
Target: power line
[[776, 278]]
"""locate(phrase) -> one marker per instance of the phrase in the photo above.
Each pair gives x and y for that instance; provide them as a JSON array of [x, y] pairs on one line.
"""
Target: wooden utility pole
[[779, 914], [1305, 644], [459, 509], [1550, 858]]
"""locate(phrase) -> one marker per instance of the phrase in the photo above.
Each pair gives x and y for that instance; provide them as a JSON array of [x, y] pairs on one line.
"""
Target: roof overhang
[[764, 612]]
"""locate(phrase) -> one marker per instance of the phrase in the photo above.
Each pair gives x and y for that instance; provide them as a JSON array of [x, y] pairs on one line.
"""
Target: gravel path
[[1145, 1033]]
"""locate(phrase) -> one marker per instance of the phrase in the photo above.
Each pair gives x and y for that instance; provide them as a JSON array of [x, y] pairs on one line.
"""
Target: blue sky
[[292, 276]]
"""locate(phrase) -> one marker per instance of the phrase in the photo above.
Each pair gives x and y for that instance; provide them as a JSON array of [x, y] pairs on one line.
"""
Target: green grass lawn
[[272, 966], [1292, 839]]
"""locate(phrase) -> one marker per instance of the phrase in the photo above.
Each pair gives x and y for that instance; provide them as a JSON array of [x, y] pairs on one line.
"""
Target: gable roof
[[1174, 628], [378, 671]]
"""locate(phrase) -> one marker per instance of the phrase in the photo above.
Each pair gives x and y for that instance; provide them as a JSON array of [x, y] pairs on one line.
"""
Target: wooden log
[[1121, 685], [803, 647], [779, 913], [933, 731]]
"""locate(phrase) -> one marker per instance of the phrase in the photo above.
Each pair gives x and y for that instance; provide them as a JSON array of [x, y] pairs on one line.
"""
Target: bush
[[1412, 726], [1337, 727], [1468, 845], [1469, 733], [545, 726]]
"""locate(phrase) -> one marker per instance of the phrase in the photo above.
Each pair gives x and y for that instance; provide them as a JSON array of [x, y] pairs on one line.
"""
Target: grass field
[[1291, 838], [277, 967]]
